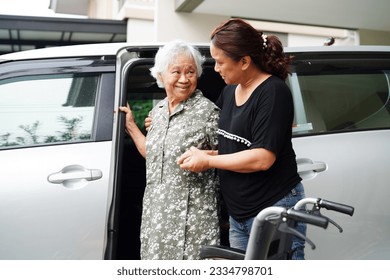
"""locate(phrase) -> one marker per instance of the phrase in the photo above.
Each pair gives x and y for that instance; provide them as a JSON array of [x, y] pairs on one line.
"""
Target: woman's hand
[[133, 130], [129, 116], [195, 160], [148, 122]]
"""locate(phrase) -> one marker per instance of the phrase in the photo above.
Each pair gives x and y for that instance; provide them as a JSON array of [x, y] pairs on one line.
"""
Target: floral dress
[[180, 208]]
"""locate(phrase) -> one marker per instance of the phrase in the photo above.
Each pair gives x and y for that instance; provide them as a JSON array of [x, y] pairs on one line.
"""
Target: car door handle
[[74, 173], [308, 169], [315, 166]]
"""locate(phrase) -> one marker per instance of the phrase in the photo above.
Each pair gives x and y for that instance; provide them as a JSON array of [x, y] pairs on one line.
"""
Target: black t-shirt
[[264, 121]]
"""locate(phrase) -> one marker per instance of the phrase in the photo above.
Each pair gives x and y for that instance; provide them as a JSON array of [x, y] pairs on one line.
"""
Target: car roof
[[68, 51], [99, 49], [103, 49]]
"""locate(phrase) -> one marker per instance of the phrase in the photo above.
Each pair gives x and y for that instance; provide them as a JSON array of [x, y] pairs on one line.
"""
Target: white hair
[[167, 54]]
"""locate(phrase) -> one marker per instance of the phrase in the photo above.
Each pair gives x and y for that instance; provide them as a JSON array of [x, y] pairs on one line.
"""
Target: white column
[[140, 16], [191, 27]]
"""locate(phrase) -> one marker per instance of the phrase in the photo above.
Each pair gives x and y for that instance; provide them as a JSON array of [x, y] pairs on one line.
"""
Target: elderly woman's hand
[[129, 116], [133, 130]]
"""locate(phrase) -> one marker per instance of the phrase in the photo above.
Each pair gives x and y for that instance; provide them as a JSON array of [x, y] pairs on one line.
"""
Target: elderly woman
[[180, 210]]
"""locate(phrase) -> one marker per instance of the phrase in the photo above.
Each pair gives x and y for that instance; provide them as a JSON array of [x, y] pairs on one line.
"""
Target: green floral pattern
[[180, 208]]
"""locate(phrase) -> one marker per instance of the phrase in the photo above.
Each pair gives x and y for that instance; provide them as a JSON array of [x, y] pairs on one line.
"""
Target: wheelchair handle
[[304, 217], [335, 206], [327, 204]]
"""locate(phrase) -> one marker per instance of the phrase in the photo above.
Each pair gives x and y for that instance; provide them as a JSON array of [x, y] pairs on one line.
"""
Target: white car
[[71, 181]]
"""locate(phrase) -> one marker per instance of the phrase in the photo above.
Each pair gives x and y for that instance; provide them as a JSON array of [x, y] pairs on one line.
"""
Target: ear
[[245, 62], [160, 77]]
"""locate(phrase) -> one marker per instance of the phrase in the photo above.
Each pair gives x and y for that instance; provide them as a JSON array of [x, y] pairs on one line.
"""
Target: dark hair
[[238, 38]]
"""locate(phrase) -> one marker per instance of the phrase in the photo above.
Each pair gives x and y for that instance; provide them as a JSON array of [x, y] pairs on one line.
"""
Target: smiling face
[[180, 79], [229, 69]]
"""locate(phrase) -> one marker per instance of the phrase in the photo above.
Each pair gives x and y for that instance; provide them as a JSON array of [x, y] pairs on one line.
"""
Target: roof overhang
[[19, 33]]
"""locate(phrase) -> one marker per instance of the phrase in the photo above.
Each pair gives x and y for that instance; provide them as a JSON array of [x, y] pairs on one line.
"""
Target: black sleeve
[[219, 101]]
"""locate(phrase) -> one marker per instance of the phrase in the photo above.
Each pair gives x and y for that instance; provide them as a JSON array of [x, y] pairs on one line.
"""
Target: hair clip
[[264, 40]]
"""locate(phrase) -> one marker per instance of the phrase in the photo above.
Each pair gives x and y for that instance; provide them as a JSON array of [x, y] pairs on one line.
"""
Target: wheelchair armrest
[[221, 252]]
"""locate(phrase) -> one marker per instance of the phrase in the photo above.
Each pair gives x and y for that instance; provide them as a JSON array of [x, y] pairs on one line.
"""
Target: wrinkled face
[[229, 69], [180, 79]]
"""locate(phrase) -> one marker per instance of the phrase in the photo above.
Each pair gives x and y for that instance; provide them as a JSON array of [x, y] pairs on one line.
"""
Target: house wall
[[156, 20], [373, 37]]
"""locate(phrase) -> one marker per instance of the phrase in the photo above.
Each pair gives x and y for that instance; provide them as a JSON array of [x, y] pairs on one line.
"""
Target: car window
[[46, 109], [340, 95], [142, 93]]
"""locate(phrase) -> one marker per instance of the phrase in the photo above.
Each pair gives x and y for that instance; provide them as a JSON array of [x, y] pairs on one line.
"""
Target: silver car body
[[63, 184]]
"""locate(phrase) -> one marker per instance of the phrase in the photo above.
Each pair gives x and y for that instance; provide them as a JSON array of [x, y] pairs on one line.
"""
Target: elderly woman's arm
[[133, 130]]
